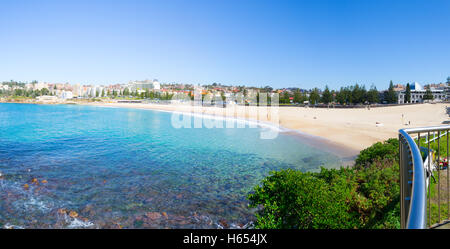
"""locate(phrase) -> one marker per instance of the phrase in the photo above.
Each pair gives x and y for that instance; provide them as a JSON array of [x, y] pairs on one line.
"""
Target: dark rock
[[153, 215], [223, 223]]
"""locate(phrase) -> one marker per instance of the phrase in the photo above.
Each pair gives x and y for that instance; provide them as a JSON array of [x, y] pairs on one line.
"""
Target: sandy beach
[[355, 129]]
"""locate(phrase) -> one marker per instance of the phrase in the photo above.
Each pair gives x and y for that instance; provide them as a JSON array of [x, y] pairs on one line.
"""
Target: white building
[[101, 90], [66, 95], [143, 85], [92, 92], [156, 85], [76, 90], [417, 93]]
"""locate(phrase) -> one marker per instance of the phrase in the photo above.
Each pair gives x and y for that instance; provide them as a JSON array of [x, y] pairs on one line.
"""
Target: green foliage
[[373, 96], [428, 95], [388, 150], [363, 196], [326, 96], [408, 93], [299, 97], [284, 98], [357, 95], [293, 199], [390, 96], [314, 96], [126, 92], [436, 145]]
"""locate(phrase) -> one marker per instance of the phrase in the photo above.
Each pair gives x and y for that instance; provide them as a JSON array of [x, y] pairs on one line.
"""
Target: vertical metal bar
[[439, 174], [434, 137], [418, 140], [429, 181], [402, 197]]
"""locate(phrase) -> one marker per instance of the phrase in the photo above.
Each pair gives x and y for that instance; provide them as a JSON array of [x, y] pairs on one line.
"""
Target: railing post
[[439, 174], [402, 189], [415, 182], [429, 155], [412, 183], [405, 164]]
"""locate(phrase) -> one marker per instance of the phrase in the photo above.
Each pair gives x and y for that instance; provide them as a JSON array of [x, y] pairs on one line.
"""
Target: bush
[[378, 152], [293, 199], [364, 196]]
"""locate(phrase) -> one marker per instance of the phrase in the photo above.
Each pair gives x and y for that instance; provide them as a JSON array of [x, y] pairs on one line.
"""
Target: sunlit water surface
[[70, 166]]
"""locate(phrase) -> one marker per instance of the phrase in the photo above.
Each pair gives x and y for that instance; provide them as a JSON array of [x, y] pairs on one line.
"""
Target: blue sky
[[279, 43]]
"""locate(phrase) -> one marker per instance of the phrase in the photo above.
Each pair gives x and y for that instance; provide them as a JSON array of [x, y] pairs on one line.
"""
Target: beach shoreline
[[345, 131], [351, 129], [347, 154]]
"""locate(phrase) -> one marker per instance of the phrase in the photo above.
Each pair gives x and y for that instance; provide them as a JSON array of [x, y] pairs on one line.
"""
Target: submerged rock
[[153, 215], [223, 223]]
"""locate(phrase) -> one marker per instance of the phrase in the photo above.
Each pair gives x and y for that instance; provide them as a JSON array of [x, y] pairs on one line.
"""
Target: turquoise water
[[119, 167]]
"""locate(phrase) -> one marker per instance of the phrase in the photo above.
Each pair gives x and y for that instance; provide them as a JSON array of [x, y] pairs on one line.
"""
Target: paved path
[[445, 225]]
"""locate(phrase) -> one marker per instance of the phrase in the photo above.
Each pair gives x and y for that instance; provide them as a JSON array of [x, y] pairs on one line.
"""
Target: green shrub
[[364, 196], [293, 199], [378, 152]]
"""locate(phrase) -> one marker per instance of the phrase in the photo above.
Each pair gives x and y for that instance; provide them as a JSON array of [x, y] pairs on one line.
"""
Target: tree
[[285, 98], [390, 95], [126, 92], [326, 96], [408, 94], [268, 89], [358, 94], [18, 92], [372, 95], [314, 96], [448, 80], [428, 95], [345, 96], [340, 97], [44, 91], [298, 96]]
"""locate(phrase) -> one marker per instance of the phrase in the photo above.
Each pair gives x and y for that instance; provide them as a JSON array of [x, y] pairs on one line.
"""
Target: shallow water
[[129, 168]]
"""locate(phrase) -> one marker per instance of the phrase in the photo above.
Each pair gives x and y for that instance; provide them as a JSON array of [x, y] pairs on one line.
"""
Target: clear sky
[[279, 43]]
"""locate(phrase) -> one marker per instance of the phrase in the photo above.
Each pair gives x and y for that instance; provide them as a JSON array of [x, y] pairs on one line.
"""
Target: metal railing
[[421, 163]]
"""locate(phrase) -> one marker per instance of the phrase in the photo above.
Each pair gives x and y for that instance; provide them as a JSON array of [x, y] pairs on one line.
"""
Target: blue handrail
[[416, 217]]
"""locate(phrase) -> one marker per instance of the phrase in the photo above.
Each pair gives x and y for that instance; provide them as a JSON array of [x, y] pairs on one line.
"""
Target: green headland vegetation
[[363, 196]]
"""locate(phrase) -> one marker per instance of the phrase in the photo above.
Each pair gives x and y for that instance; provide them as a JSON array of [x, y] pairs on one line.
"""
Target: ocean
[[75, 166]]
